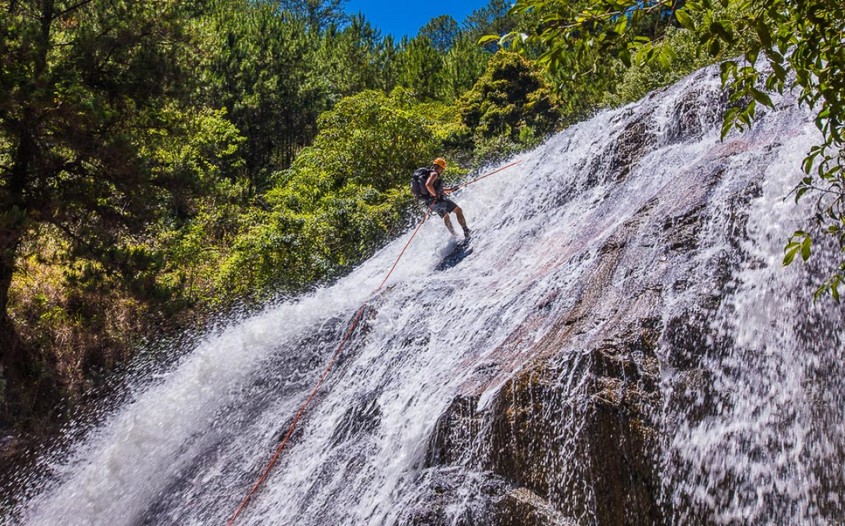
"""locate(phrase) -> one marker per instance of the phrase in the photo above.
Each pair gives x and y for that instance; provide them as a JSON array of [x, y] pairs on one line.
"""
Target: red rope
[[494, 172], [326, 372], [298, 415], [336, 355], [428, 212]]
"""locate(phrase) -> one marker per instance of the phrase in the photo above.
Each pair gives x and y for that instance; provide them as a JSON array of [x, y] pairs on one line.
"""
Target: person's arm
[[429, 184]]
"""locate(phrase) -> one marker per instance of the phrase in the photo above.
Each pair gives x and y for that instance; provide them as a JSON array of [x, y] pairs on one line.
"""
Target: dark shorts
[[442, 207]]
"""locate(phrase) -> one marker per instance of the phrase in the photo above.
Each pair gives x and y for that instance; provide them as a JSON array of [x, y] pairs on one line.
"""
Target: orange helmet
[[441, 162]]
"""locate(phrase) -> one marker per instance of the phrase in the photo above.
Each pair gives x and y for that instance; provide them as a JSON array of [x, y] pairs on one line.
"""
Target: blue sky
[[406, 17]]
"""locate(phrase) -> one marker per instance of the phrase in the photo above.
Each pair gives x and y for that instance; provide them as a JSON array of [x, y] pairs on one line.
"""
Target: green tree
[[347, 59], [84, 86], [576, 44], [463, 65], [190, 242], [442, 31], [511, 99], [259, 68], [387, 64], [320, 14], [421, 67], [494, 18]]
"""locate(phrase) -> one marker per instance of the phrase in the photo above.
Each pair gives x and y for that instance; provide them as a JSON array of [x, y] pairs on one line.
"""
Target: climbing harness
[[352, 326]]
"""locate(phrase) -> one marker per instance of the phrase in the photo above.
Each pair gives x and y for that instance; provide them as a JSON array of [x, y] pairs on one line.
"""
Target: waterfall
[[622, 346]]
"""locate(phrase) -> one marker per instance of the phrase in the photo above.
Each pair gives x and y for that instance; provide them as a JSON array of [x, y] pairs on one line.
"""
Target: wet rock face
[[569, 453], [588, 451], [523, 507], [621, 155], [455, 432], [690, 119], [363, 416], [486, 499], [441, 487]]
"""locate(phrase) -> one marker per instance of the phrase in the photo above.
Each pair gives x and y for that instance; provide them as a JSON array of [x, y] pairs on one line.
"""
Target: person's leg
[[461, 220], [460, 215], [448, 224]]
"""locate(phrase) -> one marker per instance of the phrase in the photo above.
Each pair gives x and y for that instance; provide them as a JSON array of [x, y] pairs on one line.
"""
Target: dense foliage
[[511, 100], [89, 90]]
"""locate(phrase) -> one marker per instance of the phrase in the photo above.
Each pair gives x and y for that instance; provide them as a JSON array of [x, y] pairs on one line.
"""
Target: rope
[[427, 213], [352, 326], [494, 172], [299, 413], [323, 376]]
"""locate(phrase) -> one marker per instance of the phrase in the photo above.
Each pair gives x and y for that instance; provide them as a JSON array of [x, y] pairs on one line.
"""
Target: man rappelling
[[427, 187]]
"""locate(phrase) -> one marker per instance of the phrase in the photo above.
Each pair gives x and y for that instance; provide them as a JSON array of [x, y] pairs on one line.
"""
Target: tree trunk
[[11, 232], [14, 365], [15, 362]]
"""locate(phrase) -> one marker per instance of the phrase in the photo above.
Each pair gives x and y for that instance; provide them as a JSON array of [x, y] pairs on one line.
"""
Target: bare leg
[[460, 215], [449, 224]]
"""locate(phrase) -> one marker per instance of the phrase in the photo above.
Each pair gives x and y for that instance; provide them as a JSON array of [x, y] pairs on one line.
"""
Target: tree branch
[[73, 8]]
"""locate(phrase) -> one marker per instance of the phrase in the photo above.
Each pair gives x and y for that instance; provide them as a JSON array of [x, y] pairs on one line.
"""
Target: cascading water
[[622, 346]]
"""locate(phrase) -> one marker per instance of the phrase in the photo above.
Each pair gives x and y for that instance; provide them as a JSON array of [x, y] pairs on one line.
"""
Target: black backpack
[[418, 180]]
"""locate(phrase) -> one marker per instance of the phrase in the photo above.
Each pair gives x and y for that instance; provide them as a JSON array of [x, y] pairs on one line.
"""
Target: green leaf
[[488, 38], [762, 98], [728, 122], [806, 248], [684, 19], [723, 30], [807, 165], [714, 47], [763, 32], [752, 53], [727, 69], [790, 252], [621, 25]]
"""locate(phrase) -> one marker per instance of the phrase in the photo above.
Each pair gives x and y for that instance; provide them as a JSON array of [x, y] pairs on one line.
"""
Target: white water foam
[[186, 449]]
